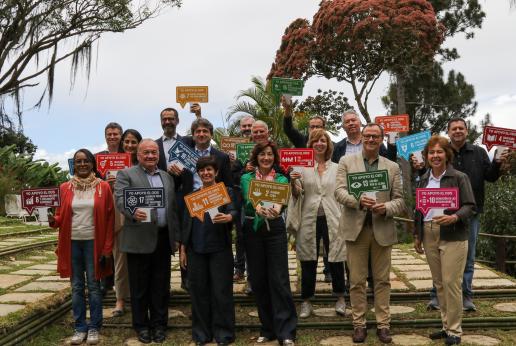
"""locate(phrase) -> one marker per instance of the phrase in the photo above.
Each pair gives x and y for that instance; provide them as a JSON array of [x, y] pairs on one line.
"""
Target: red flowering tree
[[357, 40]]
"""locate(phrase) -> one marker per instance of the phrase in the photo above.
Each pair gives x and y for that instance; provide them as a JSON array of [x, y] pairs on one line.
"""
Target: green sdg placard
[[243, 151], [287, 86], [368, 181]]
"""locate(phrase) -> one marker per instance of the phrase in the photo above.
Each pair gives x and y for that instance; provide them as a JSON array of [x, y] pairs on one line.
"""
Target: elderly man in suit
[[368, 226], [148, 244]]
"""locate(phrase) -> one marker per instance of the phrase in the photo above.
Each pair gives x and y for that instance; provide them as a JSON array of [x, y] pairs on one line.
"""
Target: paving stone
[[43, 286], [37, 258], [7, 280], [410, 340], [292, 272], [392, 276], [407, 261], [43, 267], [411, 267], [478, 266], [175, 314], [477, 339], [24, 297], [5, 244], [480, 283], [238, 288], [325, 312], [53, 262], [418, 274], [33, 272], [6, 309], [52, 278], [323, 287], [292, 265], [337, 341], [398, 285], [484, 274], [21, 263], [5, 267], [253, 313], [422, 284], [399, 309], [508, 307]]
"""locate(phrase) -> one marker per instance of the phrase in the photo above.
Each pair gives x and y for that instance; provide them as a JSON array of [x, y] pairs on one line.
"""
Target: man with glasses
[[297, 138], [369, 231]]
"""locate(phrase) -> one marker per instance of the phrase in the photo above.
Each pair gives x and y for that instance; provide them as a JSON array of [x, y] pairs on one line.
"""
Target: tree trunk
[[400, 93]]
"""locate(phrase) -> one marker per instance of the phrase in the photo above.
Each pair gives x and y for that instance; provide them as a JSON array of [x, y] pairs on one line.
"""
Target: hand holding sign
[[412, 144], [186, 94], [112, 163], [183, 155], [47, 197], [438, 200], [207, 200], [243, 151], [142, 200], [268, 191], [296, 158], [358, 183]]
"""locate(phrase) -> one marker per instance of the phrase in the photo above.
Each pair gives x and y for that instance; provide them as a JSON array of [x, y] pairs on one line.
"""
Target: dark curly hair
[[258, 148]]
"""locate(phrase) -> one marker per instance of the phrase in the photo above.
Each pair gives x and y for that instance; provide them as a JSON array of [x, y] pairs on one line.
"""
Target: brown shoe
[[359, 335], [384, 335]]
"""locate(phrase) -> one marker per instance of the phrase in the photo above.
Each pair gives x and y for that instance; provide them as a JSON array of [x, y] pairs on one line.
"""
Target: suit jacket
[[353, 215], [225, 175], [339, 150], [142, 237]]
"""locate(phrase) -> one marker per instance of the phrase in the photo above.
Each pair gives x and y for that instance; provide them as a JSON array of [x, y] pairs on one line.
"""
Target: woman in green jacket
[[265, 242]]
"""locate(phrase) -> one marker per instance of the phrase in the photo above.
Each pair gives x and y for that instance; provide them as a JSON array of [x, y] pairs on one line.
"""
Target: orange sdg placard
[[186, 94], [393, 123], [203, 200]]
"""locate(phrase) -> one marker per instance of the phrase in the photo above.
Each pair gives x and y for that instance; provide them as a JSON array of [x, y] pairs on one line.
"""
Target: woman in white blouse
[[320, 219]]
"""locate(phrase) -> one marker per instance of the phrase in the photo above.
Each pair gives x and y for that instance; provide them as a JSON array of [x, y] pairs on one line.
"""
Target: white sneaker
[[288, 342], [306, 309], [78, 338], [93, 337], [340, 307]]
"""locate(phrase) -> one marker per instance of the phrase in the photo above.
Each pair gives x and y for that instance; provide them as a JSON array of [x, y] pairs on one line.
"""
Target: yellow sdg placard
[[228, 144], [268, 191], [205, 199], [187, 94]]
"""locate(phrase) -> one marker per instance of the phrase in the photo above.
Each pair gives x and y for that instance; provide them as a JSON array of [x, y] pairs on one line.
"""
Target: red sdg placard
[[296, 158], [499, 136], [393, 123], [442, 198], [47, 197], [112, 162]]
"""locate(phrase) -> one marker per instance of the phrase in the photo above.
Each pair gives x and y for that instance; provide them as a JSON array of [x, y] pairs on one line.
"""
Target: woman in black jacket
[[206, 253], [444, 236]]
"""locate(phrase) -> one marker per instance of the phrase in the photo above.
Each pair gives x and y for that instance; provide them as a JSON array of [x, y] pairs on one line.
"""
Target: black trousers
[[149, 284], [267, 260], [239, 262], [211, 291], [309, 268]]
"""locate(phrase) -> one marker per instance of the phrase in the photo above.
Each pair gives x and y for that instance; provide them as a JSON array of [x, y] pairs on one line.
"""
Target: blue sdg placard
[[144, 198], [184, 154], [409, 144], [70, 166]]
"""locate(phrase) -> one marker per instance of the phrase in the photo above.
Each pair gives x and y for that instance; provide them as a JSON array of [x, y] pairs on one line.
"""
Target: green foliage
[[18, 171], [262, 104], [23, 143], [432, 100], [498, 216], [328, 104]]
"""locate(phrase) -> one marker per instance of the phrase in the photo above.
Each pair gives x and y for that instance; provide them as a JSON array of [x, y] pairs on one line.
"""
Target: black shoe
[[248, 289], [184, 285], [438, 335], [144, 336], [452, 340], [159, 336], [327, 277]]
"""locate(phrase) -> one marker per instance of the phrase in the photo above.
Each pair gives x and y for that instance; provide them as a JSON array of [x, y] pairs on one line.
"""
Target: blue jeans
[[83, 261], [467, 279]]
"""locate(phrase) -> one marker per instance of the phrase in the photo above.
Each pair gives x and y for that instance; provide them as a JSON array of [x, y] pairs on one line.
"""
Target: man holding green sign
[[370, 191]]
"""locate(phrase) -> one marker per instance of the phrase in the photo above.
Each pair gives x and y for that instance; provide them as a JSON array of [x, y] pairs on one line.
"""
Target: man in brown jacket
[[367, 225]]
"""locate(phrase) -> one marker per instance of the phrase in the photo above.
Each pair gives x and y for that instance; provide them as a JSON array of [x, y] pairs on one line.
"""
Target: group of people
[[357, 234]]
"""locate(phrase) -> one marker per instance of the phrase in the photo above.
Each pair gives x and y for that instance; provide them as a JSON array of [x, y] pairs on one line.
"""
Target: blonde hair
[[317, 134]]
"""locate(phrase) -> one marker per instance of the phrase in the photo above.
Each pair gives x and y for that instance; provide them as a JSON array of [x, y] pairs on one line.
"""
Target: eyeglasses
[[375, 137], [313, 127]]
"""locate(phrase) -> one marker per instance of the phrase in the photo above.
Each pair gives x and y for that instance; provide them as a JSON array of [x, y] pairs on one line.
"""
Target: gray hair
[[247, 116], [260, 123], [350, 111]]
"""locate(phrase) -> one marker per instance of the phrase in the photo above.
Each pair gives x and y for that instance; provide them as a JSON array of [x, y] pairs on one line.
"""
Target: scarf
[[83, 186]]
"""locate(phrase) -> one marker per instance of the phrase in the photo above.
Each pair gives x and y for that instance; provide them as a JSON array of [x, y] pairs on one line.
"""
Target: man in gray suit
[[368, 226], [148, 244]]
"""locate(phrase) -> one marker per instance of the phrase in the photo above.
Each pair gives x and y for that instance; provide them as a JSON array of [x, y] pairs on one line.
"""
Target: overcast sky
[[222, 44]]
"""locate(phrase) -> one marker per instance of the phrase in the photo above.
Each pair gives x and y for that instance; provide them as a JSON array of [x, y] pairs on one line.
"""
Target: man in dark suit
[[148, 244]]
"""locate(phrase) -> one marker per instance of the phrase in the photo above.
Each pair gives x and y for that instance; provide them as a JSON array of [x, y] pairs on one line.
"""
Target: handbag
[[294, 209]]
